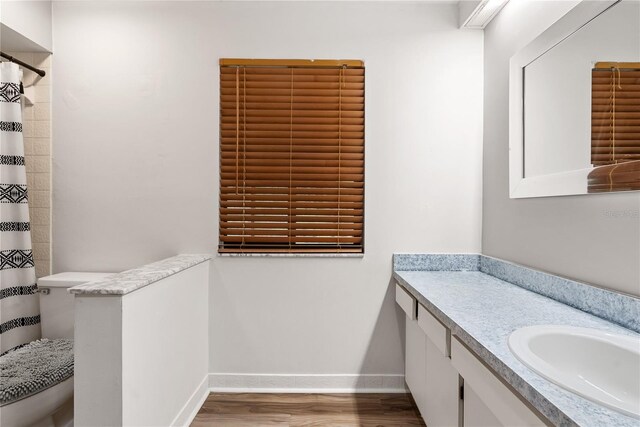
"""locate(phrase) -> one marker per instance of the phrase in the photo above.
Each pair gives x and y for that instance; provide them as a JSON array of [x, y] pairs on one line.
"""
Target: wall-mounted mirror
[[575, 104]]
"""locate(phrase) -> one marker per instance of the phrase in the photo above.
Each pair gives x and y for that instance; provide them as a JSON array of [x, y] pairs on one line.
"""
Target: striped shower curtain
[[19, 302]]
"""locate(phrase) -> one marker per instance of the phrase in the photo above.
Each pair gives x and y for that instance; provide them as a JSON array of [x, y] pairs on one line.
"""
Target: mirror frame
[[558, 184]]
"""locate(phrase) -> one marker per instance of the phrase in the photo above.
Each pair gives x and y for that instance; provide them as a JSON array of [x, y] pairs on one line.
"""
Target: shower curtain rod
[[39, 72]]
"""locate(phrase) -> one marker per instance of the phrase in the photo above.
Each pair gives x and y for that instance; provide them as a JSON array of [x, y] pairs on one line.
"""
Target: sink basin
[[600, 366]]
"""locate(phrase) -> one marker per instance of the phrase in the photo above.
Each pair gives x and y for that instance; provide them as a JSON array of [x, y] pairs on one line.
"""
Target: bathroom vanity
[[446, 378], [460, 311]]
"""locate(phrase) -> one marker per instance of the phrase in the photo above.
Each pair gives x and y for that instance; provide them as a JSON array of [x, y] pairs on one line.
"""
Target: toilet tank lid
[[69, 279]]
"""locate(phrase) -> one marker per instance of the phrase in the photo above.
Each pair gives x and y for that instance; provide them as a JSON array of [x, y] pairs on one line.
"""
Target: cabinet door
[[505, 406], [442, 393], [415, 366], [476, 413], [442, 389]]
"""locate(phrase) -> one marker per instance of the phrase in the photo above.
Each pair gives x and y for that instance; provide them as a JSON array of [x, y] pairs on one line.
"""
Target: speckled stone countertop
[[483, 310], [132, 280]]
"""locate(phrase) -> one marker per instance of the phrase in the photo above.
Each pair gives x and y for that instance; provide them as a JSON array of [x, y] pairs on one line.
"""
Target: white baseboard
[[193, 404], [287, 383]]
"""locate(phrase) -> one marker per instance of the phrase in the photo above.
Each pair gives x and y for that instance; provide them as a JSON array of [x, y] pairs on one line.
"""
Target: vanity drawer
[[436, 331], [406, 301]]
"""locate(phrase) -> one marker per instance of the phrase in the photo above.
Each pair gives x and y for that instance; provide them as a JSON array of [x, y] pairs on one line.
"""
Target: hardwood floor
[[295, 410]]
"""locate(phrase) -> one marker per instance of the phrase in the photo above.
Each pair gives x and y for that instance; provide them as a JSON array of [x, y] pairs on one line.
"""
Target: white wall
[[595, 238], [136, 163], [30, 18]]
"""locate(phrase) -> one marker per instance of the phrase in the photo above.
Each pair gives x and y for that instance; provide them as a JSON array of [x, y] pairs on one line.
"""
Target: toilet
[[52, 406]]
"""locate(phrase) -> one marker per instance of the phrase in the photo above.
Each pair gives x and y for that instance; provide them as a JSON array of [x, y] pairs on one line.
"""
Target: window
[[291, 156], [615, 127]]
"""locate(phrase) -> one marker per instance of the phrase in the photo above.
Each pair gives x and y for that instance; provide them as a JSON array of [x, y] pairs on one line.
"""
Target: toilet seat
[[34, 367], [37, 407], [40, 381]]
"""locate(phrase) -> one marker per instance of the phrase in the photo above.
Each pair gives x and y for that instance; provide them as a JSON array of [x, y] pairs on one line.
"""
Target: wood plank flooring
[[296, 409]]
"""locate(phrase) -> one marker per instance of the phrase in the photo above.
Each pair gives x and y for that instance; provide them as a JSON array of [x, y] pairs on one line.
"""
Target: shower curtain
[[19, 302]]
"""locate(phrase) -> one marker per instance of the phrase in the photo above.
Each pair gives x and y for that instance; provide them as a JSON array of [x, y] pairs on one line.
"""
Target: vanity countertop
[[483, 311]]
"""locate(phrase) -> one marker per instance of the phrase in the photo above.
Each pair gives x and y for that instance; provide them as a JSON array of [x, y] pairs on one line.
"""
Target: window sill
[[291, 255]]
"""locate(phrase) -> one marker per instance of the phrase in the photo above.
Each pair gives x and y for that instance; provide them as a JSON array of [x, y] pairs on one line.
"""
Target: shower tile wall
[[37, 146]]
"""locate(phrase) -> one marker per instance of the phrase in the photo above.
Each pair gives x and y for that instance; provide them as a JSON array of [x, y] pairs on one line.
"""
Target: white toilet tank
[[56, 303]]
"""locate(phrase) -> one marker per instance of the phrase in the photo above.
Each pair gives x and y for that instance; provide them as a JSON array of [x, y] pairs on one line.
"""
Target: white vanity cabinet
[[437, 364], [433, 381], [487, 400]]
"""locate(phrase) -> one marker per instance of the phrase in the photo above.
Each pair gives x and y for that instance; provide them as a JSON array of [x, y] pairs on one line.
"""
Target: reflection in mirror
[[581, 105], [615, 126]]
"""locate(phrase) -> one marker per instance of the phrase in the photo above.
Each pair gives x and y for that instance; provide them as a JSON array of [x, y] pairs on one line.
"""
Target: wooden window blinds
[[291, 156], [615, 127]]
